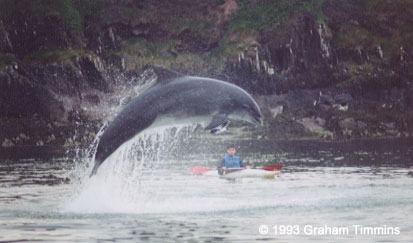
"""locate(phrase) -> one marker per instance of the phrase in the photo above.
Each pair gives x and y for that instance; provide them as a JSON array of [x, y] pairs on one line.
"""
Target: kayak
[[246, 173], [266, 171]]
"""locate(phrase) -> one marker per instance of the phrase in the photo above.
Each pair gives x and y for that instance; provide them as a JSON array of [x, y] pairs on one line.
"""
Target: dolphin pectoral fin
[[220, 128], [218, 124]]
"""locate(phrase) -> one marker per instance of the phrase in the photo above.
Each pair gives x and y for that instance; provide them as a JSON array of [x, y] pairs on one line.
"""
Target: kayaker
[[230, 161]]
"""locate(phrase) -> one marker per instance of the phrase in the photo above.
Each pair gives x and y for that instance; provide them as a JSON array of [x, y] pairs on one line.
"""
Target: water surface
[[321, 184]]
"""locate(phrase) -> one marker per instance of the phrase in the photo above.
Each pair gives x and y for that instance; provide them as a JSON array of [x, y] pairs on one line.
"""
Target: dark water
[[325, 185]]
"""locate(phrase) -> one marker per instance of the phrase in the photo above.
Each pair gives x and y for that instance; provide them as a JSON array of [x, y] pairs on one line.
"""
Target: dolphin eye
[[245, 106]]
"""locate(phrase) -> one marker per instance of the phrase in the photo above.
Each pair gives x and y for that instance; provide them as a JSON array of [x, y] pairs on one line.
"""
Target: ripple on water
[[163, 202]]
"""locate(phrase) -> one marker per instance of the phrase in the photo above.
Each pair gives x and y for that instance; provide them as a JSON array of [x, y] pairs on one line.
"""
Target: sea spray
[[128, 178]]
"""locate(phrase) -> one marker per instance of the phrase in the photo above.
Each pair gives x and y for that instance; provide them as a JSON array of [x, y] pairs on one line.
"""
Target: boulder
[[315, 125], [7, 143], [276, 111], [348, 124]]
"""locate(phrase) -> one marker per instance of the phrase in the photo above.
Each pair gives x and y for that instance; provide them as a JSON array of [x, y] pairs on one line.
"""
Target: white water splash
[[128, 180], [112, 103]]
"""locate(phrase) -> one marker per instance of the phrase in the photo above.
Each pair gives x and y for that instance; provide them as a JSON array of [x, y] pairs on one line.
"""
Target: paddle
[[199, 170], [196, 170]]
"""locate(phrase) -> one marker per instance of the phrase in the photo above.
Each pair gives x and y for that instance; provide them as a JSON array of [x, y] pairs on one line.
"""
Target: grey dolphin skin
[[178, 99]]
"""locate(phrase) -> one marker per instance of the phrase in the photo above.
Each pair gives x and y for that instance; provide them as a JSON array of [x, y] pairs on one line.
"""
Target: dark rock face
[[24, 35], [21, 96], [63, 61], [296, 56], [93, 75]]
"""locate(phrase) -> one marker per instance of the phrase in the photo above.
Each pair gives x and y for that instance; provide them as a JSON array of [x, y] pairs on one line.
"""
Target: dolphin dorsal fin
[[163, 74]]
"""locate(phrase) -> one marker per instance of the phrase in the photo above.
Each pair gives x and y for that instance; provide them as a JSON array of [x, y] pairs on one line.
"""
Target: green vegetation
[[376, 23], [365, 77], [356, 38], [130, 12], [71, 12], [143, 47], [91, 8], [230, 49], [264, 14], [315, 7], [142, 15], [6, 60], [64, 57], [202, 27], [252, 17], [139, 52], [62, 9], [219, 2]]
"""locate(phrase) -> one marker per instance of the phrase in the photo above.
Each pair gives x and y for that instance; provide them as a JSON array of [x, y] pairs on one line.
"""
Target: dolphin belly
[[168, 121]]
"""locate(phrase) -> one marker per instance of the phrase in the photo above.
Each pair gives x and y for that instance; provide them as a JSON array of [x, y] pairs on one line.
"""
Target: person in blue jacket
[[230, 161]]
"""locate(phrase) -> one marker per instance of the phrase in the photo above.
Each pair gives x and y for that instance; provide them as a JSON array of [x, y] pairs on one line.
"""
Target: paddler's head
[[231, 149]]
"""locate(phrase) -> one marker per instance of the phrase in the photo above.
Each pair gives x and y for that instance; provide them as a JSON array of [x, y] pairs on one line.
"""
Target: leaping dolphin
[[178, 99]]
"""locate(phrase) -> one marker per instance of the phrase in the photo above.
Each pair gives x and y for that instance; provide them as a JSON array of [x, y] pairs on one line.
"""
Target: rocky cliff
[[320, 68]]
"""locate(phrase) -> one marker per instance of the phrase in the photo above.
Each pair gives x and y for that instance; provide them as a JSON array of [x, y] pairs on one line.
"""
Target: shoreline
[[49, 152]]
